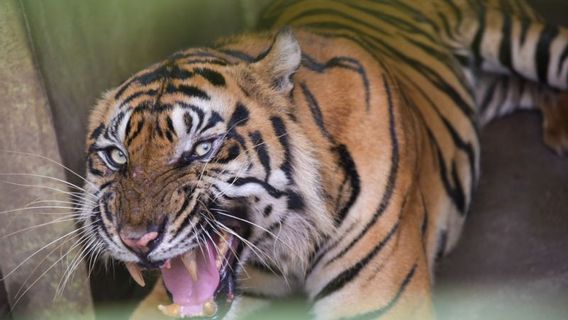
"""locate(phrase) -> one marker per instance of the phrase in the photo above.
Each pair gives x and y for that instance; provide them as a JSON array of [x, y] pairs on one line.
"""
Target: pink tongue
[[187, 293]]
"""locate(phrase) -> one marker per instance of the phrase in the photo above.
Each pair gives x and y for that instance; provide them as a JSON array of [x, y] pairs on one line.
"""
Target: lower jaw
[[216, 306], [189, 279]]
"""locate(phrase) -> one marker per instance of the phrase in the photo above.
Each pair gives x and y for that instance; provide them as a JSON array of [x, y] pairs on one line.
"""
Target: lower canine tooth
[[172, 310], [135, 273], [190, 264], [209, 308]]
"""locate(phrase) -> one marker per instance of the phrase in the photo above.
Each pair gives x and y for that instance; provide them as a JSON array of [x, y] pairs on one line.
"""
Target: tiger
[[331, 154]]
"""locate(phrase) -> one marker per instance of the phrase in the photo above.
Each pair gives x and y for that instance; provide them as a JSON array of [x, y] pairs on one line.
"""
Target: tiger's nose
[[139, 239]]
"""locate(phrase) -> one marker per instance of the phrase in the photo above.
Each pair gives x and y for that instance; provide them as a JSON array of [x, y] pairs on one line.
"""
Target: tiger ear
[[281, 61]]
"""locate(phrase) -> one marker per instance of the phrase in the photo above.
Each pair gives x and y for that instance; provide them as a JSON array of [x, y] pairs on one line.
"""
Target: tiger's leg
[[498, 95], [554, 109], [148, 308], [258, 287], [385, 275]]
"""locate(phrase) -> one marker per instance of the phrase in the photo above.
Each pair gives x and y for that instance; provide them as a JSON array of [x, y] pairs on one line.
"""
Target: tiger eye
[[117, 156], [203, 148]]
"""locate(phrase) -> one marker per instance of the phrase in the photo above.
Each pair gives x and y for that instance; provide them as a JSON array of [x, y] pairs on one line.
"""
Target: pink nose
[[135, 242]]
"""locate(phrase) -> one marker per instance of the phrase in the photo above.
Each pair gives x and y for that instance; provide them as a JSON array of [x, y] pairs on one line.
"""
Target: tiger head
[[195, 163]]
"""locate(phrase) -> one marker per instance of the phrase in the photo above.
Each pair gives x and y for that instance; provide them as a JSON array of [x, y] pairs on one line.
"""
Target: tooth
[[190, 264], [220, 254], [135, 273], [172, 310], [223, 247], [209, 308]]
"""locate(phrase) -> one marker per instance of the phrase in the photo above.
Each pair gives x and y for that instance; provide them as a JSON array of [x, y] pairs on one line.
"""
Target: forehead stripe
[[239, 117], [213, 120], [191, 91], [214, 77]]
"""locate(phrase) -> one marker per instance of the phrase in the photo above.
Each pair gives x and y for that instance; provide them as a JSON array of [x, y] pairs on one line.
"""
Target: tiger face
[[192, 162]]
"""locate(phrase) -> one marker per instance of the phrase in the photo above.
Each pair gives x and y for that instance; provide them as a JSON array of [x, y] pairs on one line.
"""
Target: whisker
[[72, 202], [87, 247], [43, 187], [41, 249], [18, 298], [230, 247], [58, 220], [31, 273], [52, 161], [257, 251], [74, 186], [272, 234], [72, 209]]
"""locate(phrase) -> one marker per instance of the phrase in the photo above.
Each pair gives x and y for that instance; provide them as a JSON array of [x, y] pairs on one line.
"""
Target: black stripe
[[170, 126], [349, 274], [188, 119], [316, 112], [419, 65], [295, 201], [239, 117], [183, 207], [213, 120], [187, 221], [105, 202], [441, 247], [97, 132], [136, 131], [383, 310], [260, 148], [149, 93], [233, 152], [275, 193], [350, 169], [476, 44], [191, 91], [175, 72], [282, 135], [267, 211], [188, 122], [344, 63], [116, 123], [505, 47], [269, 232], [92, 169], [265, 267], [455, 192], [562, 60], [391, 180], [214, 77], [525, 25], [488, 98], [321, 252], [542, 56]]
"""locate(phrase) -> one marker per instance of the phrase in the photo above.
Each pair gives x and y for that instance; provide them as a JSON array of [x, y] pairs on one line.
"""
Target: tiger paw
[[555, 124]]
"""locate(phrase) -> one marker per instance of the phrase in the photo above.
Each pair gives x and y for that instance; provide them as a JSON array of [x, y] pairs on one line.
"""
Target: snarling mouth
[[199, 279]]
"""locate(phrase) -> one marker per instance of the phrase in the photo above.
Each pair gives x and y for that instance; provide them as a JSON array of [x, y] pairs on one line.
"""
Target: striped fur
[[352, 143]]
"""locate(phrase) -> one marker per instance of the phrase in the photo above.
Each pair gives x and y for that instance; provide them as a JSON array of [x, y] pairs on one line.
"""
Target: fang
[[135, 273], [190, 264]]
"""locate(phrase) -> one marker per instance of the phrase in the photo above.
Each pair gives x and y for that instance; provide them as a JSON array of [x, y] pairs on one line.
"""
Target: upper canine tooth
[[221, 254], [135, 273], [190, 264]]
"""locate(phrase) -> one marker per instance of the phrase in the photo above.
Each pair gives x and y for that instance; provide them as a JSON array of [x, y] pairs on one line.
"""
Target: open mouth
[[198, 280]]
